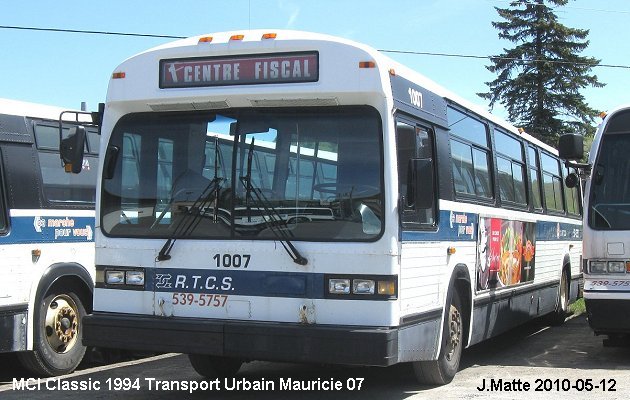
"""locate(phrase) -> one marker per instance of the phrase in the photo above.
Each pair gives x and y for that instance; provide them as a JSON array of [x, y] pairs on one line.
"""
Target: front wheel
[[214, 366], [57, 347], [442, 370]]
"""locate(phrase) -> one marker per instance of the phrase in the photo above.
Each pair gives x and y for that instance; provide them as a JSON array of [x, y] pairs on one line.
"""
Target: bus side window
[[552, 183], [573, 197], [534, 178], [415, 160]]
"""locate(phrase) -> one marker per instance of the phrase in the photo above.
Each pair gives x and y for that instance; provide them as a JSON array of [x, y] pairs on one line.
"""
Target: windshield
[[316, 174], [610, 186]]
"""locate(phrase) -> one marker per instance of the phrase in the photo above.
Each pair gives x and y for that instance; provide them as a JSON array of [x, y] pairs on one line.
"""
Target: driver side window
[[415, 147]]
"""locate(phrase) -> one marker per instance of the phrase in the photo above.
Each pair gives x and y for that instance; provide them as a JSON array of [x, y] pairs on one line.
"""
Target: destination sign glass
[[239, 70]]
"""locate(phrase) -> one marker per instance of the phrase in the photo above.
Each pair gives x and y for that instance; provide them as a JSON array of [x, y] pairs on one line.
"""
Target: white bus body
[[606, 226], [46, 238], [424, 242]]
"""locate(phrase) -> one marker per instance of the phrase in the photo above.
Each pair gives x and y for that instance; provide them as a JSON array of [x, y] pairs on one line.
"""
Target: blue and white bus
[[298, 197], [46, 237], [606, 224]]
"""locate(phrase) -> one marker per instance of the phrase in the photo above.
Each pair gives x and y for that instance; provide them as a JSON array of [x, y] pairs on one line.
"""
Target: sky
[[65, 69]]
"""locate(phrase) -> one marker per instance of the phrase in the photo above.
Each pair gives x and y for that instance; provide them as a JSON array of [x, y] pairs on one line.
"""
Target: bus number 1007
[[231, 260]]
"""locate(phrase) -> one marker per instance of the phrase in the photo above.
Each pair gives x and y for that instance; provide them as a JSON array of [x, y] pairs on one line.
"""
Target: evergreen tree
[[539, 80]]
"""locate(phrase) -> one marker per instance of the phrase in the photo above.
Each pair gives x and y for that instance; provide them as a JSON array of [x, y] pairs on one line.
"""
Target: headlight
[[120, 278], [598, 267], [339, 286], [114, 277], [362, 286], [135, 278], [616, 267]]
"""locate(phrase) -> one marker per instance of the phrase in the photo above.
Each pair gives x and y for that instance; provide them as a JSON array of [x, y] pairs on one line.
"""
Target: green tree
[[539, 80]]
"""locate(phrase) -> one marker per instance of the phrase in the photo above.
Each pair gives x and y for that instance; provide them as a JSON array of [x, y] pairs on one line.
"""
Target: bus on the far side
[[606, 253], [46, 237]]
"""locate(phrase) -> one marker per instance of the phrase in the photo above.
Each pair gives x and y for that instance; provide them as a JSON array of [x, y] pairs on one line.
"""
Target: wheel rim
[[62, 324], [563, 294], [455, 333]]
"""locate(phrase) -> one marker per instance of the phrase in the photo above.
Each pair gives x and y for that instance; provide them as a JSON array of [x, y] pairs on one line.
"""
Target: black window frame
[[534, 167], [407, 216], [560, 177], [521, 163], [473, 145], [50, 151], [92, 138], [576, 194]]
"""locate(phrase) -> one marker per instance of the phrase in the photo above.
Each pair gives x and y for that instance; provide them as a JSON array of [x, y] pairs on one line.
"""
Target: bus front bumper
[[246, 340], [608, 316]]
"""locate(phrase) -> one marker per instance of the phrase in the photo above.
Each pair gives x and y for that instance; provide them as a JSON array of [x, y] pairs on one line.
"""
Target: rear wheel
[[562, 305], [214, 366], [57, 347], [442, 370]]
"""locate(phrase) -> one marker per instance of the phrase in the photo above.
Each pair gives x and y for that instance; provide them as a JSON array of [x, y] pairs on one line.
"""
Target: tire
[[57, 334], [212, 367], [442, 370], [558, 317]]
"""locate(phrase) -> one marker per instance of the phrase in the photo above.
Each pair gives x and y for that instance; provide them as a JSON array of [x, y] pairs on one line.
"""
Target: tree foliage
[[539, 80]]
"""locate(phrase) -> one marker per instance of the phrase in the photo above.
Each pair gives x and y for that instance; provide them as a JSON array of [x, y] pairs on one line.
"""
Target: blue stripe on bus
[[462, 226], [236, 282], [49, 229]]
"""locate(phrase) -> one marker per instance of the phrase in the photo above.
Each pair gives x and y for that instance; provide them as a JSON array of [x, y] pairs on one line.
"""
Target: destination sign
[[239, 70]]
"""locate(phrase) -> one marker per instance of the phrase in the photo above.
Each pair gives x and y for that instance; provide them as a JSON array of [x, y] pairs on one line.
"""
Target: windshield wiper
[[272, 218], [190, 220]]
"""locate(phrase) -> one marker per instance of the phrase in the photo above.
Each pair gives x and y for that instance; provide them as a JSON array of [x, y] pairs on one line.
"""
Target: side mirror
[[571, 146], [420, 188], [571, 180], [71, 150]]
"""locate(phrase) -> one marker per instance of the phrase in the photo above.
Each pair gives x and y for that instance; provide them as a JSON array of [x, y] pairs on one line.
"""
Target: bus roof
[[35, 110], [267, 41]]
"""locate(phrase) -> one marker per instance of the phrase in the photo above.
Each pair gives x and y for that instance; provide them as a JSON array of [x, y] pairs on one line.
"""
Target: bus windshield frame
[[609, 202], [315, 173]]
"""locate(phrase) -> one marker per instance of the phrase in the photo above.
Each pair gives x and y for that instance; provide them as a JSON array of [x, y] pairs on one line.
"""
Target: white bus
[[443, 224], [606, 224], [46, 237]]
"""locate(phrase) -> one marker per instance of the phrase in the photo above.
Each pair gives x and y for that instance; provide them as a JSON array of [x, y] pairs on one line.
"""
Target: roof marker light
[[392, 72], [118, 75], [269, 35], [237, 37], [367, 64], [205, 39]]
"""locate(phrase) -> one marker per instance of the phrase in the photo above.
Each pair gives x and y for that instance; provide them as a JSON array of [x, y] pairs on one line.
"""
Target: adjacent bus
[[46, 237], [606, 265], [298, 197]]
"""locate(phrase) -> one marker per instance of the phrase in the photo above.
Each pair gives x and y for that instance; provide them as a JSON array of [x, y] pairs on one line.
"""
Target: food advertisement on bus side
[[505, 252]]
